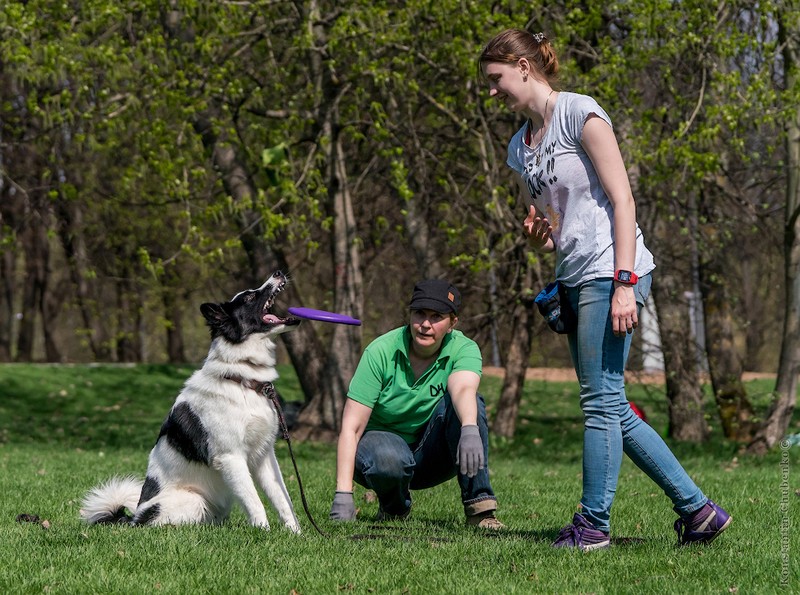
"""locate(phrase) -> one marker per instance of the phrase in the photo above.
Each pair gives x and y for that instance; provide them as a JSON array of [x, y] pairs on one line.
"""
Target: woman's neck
[[537, 123], [420, 363], [537, 114]]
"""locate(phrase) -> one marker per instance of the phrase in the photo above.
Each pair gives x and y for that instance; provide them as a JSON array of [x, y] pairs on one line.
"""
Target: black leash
[[267, 389]]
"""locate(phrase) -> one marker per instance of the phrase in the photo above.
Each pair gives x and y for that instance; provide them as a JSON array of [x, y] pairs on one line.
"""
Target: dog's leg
[[271, 481], [237, 477]]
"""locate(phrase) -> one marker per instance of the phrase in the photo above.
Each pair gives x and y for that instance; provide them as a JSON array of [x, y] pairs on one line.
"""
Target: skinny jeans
[[610, 425]]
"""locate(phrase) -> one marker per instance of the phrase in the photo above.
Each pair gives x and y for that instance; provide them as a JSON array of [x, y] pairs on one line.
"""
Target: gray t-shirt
[[565, 187]]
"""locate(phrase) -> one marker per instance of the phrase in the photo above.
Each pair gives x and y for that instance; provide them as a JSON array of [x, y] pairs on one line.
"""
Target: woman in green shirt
[[413, 417]]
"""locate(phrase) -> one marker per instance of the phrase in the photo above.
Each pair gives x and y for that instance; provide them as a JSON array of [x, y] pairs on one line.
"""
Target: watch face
[[624, 276]]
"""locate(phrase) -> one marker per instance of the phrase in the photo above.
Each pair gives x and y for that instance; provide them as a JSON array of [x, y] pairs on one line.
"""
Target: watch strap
[[625, 277]]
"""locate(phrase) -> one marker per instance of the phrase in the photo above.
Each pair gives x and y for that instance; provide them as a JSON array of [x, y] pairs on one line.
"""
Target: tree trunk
[[321, 419], [9, 225], [36, 249], [673, 311], [777, 420], [684, 390], [724, 362], [86, 288], [52, 302], [519, 351], [129, 343], [7, 272], [174, 302]]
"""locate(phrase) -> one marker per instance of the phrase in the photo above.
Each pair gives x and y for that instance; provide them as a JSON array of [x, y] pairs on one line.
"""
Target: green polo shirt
[[384, 380]]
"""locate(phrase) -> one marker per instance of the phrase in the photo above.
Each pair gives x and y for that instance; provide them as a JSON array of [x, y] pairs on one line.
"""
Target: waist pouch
[[554, 306]]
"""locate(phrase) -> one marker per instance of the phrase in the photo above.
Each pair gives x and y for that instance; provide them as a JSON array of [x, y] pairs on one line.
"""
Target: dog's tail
[[114, 501]]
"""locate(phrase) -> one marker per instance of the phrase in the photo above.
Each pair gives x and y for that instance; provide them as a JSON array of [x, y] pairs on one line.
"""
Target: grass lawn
[[65, 428]]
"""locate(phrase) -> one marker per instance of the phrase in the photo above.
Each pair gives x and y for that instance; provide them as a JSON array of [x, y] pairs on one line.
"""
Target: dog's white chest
[[260, 425]]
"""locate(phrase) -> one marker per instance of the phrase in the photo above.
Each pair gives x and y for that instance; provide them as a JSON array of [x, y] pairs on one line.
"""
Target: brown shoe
[[385, 516], [485, 520]]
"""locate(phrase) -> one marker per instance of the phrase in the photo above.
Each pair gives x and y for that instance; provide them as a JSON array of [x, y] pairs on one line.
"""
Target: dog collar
[[266, 389], [259, 387]]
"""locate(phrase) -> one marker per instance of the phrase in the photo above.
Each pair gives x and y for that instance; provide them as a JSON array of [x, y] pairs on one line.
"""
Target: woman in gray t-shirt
[[581, 206]]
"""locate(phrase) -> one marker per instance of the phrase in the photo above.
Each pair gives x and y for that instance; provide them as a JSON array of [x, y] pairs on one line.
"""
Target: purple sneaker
[[702, 526], [582, 534]]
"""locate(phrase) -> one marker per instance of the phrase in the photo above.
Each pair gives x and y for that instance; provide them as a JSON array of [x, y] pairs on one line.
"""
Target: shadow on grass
[[443, 530], [399, 532]]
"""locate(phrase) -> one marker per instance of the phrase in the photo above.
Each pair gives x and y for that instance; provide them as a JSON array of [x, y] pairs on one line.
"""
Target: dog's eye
[[249, 297]]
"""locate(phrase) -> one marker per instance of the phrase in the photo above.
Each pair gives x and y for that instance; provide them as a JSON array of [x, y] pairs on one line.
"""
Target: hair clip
[[540, 37]]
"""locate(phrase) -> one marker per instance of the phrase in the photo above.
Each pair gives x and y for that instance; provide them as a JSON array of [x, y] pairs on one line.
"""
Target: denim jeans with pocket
[[610, 425], [388, 465]]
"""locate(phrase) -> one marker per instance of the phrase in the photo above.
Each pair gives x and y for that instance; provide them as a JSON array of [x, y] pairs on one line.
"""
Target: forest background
[[157, 155]]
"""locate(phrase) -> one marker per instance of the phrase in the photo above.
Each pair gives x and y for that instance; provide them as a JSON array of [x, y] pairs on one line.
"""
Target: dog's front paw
[[294, 527], [261, 524]]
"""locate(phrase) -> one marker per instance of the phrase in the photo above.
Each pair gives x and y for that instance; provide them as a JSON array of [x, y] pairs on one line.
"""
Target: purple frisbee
[[322, 315]]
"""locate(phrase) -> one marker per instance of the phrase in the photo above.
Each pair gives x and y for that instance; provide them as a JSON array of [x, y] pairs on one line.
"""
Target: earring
[[525, 78]]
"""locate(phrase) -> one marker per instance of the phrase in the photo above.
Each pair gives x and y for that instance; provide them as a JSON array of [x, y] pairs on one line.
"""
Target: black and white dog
[[219, 435]]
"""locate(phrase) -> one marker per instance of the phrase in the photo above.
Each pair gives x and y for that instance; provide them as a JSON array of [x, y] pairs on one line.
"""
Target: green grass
[[64, 428]]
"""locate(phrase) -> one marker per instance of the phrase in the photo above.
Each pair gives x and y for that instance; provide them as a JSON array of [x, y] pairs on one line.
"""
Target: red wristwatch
[[625, 277]]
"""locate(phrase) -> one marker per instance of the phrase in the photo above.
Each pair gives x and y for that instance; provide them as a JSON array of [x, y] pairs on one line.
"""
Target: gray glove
[[470, 451], [343, 508]]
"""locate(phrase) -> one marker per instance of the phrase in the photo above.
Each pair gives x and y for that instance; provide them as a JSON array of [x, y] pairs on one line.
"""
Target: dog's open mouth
[[269, 317]]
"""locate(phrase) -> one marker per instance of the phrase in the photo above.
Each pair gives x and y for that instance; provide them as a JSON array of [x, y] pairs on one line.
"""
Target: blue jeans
[[610, 426], [388, 465]]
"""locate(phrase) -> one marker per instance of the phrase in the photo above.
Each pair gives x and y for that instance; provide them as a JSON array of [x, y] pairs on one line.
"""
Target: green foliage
[[124, 109]]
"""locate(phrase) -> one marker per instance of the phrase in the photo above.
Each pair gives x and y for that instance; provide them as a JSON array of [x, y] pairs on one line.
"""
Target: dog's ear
[[214, 314], [222, 322]]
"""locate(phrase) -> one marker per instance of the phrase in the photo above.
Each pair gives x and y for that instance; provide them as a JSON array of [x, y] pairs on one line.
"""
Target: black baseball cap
[[437, 295]]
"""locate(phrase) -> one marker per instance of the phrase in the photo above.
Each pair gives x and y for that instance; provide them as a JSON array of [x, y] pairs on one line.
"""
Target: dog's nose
[[277, 274]]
